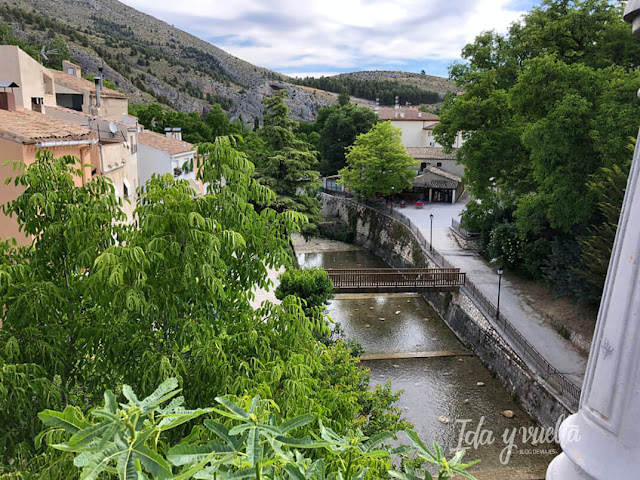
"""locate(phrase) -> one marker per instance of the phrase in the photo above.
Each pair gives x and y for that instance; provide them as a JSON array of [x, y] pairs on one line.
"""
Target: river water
[[446, 396]]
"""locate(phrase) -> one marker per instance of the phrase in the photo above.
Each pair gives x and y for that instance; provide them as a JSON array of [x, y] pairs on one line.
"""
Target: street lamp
[[431, 234], [500, 272], [392, 188]]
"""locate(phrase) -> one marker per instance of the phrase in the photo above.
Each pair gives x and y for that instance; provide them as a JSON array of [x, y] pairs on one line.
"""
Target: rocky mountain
[[153, 61]]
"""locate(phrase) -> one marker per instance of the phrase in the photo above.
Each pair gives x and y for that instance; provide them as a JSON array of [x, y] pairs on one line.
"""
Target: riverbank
[[445, 385]]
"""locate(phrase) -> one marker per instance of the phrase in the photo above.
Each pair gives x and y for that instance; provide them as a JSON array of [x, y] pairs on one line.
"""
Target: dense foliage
[[384, 90], [377, 163], [93, 303], [310, 284], [129, 440], [195, 127], [285, 162], [547, 113], [337, 127]]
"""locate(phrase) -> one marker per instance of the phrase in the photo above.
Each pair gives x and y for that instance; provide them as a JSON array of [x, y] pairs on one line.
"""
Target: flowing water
[[448, 395]]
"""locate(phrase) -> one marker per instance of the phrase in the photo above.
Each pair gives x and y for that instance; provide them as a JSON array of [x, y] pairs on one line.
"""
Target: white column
[[602, 440]]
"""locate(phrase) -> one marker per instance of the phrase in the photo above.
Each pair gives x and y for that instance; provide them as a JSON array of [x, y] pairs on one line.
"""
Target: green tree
[[338, 127], [217, 120], [168, 297], [286, 164], [609, 187], [312, 285], [344, 98], [544, 109], [378, 163]]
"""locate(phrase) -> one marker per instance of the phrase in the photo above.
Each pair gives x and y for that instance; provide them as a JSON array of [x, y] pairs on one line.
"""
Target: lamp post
[[392, 188], [431, 233], [500, 272]]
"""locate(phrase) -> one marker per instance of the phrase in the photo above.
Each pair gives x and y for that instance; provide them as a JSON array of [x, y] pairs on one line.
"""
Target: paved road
[[556, 350]]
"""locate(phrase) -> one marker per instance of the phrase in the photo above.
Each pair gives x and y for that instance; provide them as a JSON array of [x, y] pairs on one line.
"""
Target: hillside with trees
[[383, 88], [549, 112]]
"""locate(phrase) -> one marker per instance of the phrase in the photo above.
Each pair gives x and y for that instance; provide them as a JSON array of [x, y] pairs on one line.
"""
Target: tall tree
[[344, 98], [338, 127], [378, 163], [287, 164], [544, 109]]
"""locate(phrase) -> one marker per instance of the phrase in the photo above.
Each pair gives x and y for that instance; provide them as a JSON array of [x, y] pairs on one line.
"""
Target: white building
[[161, 154], [416, 126]]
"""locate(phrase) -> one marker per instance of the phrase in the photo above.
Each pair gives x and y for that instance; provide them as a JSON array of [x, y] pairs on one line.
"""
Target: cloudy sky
[[314, 37]]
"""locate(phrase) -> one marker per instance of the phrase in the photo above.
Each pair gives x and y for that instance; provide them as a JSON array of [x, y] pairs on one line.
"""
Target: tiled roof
[[161, 142], [427, 153], [82, 84], [436, 178], [442, 173], [25, 126], [410, 113]]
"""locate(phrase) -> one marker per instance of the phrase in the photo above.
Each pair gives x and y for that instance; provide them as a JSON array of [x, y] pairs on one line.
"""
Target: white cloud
[[318, 35]]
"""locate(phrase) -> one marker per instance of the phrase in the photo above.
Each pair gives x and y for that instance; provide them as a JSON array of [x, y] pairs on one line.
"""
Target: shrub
[[312, 285]]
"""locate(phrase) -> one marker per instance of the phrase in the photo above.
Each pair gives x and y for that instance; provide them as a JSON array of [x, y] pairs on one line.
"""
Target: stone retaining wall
[[393, 242]]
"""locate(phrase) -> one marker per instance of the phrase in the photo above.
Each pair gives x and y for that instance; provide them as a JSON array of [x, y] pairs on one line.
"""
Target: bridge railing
[[410, 278], [569, 390]]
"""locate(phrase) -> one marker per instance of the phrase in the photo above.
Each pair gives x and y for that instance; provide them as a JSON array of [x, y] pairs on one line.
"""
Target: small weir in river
[[448, 392]]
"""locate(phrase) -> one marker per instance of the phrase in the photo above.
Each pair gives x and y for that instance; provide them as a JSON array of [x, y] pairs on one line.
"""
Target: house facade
[[36, 114], [161, 154], [439, 176], [416, 126], [22, 134]]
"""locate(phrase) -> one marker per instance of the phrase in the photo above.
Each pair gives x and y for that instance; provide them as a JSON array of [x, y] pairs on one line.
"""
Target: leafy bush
[[129, 440], [168, 298], [310, 284]]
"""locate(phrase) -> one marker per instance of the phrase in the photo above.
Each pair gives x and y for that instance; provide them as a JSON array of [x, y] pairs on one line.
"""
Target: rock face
[[154, 62]]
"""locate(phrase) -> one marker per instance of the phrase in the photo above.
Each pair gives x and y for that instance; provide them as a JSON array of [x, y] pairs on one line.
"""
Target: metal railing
[[463, 231], [521, 346], [397, 278]]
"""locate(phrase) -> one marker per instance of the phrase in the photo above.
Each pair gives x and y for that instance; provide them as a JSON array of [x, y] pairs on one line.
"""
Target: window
[[126, 187], [423, 165], [439, 164]]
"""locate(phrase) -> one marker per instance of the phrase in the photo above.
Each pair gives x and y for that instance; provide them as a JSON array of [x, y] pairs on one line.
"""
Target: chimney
[[98, 81], [402, 114], [37, 104], [174, 133], [100, 75], [377, 107], [397, 102], [419, 114], [7, 101], [71, 69]]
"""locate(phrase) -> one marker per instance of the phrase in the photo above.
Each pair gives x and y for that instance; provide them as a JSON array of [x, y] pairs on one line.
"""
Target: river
[[447, 395]]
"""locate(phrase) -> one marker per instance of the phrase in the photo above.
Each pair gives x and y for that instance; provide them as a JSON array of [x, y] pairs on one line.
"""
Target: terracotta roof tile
[[27, 127], [410, 113], [82, 84], [161, 142]]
